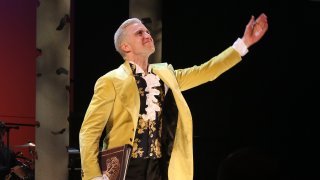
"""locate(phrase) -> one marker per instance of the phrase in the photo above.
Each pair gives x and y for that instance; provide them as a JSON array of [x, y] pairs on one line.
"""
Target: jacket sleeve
[[194, 76], [94, 122]]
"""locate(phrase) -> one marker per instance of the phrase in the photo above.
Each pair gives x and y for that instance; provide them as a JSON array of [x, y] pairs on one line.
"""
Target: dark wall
[[257, 106], [262, 103], [247, 105], [94, 53]]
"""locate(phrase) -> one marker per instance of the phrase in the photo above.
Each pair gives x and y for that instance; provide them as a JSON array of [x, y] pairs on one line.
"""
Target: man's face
[[138, 37]]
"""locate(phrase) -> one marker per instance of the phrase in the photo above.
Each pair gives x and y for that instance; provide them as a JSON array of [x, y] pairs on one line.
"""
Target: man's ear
[[125, 47]]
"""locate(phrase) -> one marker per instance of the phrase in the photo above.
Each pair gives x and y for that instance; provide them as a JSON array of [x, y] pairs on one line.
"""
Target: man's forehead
[[136, 27]]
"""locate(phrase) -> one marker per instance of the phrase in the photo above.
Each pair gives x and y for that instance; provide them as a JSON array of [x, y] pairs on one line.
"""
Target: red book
[[114, 162]]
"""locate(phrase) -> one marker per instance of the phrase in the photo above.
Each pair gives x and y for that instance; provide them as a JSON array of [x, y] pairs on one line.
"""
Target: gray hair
[[119, 34]]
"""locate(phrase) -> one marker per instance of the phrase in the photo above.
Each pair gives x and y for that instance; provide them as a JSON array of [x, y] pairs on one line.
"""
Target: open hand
[[255, 29]]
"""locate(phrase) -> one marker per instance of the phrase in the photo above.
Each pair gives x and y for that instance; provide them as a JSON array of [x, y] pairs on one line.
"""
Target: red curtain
[[18, 71]]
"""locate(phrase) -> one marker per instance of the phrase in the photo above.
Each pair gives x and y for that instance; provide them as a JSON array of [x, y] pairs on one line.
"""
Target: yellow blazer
[[115, 107]]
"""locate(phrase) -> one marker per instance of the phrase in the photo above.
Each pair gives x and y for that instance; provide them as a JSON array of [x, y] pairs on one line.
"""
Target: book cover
[[114, 162]]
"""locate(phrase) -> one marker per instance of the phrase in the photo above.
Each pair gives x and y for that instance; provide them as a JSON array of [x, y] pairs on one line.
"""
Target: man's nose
[[147, 35]]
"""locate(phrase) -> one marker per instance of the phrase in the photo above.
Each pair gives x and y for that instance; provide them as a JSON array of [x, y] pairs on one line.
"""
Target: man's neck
[[142, 62]]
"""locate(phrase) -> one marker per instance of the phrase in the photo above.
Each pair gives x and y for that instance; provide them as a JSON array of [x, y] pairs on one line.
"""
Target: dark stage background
[[263, 111]]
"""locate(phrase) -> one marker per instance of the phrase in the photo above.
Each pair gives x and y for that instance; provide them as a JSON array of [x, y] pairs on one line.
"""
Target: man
[[141, 104]]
